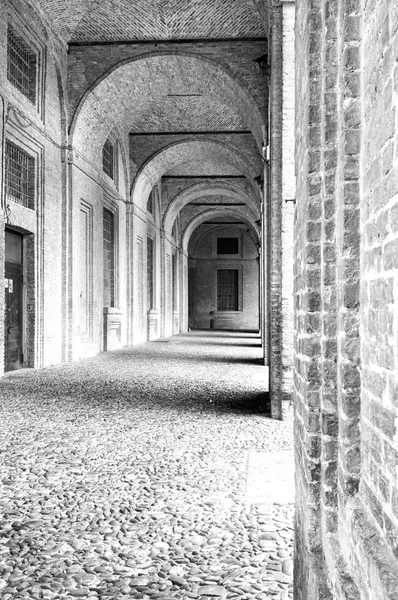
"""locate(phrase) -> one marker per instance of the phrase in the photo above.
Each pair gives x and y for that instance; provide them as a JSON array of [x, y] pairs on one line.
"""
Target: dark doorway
[[13, 302]]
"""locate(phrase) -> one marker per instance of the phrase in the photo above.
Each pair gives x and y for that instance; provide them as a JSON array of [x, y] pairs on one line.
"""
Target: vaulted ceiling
[[196, 112], [80, 21], [168, 68]]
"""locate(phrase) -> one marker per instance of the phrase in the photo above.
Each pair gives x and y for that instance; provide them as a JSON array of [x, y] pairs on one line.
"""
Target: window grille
[[20, 176], [21, 64], [108, 159], [228, 245], [150, 273], [109, 257], [227, 289]]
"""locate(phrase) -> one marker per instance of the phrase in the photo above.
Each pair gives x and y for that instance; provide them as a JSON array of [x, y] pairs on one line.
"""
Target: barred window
[[227, 289], [108, 159], [109, 257], [20, 176], [21, 64], [150, 273]]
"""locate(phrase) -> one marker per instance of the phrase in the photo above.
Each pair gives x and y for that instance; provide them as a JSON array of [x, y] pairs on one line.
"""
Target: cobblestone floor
[[133, 475]]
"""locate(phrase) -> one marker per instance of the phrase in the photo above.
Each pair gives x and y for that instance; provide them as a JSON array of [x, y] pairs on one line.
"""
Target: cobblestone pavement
[[133, 475]]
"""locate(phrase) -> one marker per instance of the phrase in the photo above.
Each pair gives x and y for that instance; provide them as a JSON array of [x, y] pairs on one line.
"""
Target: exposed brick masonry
[[345, 445], [143, 147], [88, 65], [148, 19]]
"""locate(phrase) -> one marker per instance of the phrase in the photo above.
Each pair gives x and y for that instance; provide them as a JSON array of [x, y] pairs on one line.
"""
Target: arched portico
[[209, 190]]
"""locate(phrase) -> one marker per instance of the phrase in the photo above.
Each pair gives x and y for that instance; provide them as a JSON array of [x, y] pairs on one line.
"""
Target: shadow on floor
[[204, 357], [87, 395], [154, 375], [200, 342], [257, 404]]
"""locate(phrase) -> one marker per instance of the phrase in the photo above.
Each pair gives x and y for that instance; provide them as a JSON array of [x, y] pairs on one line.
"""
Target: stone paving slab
[[124, 476]]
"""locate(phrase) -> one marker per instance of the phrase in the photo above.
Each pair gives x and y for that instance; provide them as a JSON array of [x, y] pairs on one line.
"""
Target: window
[[150, 205], [174, 282], [109, 257], [20, 176], [86, 270], [150, 248], [108, 159], [227, 245], [227, 289], [21, 64]]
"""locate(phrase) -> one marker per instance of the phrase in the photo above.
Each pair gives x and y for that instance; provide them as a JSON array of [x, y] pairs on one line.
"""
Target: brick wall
[[39, 129], [344, 349], [379, 204]]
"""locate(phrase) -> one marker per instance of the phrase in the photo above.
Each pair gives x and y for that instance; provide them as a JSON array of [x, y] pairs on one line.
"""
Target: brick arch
[[182, 152], [123, 93], [212, 214], [205, 189]]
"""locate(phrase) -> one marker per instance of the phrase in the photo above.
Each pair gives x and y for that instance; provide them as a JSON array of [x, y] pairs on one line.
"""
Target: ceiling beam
[[198, 132], [204, 177], [156, 43]]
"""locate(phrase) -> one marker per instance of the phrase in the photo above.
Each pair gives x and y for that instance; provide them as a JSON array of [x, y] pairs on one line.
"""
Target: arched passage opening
[[156, 86], [207, 155], [187, 122], [191, 205], [223, 271]]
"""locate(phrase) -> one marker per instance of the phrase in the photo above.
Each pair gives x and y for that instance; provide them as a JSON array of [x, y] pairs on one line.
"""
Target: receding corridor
[[150, 472]]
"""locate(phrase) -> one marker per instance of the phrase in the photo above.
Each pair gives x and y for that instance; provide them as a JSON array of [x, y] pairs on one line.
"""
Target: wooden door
[[13, 303]]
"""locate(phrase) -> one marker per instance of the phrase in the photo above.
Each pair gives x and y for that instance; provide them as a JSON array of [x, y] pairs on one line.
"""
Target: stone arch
[[212, 214], [200, 190], [181, 152], [122, 93]]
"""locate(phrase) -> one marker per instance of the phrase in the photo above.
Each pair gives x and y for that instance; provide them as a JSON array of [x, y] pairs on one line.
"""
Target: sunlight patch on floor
[[270, 478]]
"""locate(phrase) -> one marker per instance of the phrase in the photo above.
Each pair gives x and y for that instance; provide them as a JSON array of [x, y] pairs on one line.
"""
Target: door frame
[[18, 269]]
